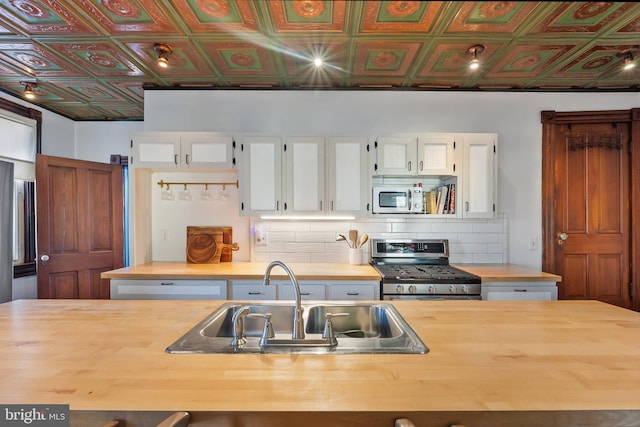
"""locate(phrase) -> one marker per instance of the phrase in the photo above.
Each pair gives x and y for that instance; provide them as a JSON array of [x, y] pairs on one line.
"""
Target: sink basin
[[369, 328]]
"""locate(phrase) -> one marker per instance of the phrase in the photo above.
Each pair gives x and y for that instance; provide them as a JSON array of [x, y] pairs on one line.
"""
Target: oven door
[[429, 297]]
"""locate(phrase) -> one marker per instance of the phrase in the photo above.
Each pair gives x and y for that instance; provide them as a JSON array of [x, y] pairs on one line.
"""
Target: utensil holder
[[355, 256]]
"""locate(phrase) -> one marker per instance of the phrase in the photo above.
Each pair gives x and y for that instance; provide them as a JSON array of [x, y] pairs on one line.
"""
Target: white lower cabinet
[[349, 290], [308, 291], [252, 290], [311, 290], [168, 289], [519, 291]]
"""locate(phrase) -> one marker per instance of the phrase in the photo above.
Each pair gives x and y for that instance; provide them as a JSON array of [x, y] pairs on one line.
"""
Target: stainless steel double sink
[[367, 329]]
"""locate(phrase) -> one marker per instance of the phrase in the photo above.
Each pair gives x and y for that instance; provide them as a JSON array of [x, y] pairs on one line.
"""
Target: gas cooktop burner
[[426, 273]]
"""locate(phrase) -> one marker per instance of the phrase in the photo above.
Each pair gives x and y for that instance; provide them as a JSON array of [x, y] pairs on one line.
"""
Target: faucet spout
[[298, 321]]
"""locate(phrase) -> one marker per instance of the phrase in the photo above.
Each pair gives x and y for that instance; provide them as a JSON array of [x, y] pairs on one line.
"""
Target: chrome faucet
[[298, 321]]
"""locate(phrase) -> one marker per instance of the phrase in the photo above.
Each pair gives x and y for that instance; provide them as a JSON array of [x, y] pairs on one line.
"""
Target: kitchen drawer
[[353, 291], [309, 292], [524, 291], [252, 290], [168, 289]]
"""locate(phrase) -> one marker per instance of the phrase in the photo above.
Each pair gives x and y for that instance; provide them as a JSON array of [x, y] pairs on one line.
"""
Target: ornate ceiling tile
[[90, 91], [217, 16], [332, 53], [133, 89], [36, 61], [99, 59], [239, 58], [119, 111], [451, 60], [592, 64], [125, 16], [384, 59], [400, 16], [491, 16], [528, 61], [308, 15], [184, 61], [50, 17], [79, 110], [583, 17]]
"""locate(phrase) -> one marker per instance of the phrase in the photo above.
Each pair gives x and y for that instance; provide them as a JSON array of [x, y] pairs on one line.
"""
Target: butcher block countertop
[[508, 273], [102, 355], [242, 270], [306, 271]]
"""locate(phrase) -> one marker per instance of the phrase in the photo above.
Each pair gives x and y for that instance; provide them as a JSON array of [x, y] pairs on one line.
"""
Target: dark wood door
[[590, 233], [80, 226]]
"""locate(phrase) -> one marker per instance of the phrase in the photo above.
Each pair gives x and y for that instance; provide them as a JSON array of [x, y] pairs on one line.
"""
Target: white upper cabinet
[[347, 176], [304, 179], [436, 155], [207, 150], [261, 175], [432, 154], [396, 156], [479, 181], [182, 150]]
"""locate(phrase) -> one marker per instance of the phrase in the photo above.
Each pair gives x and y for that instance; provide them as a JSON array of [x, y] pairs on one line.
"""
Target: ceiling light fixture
[[29, 92], [475, 51], [317, 62], [628, 62], [163, 54]]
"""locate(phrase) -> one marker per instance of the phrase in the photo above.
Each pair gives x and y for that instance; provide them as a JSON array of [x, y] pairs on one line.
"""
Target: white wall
[[514, 116], [96, 141]]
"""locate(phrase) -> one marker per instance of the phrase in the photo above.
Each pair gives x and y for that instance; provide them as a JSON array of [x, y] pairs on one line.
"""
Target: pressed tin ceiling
[[91, 59]]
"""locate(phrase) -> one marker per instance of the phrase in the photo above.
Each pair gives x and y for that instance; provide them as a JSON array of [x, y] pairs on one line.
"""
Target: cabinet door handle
[[175, 159], [353, 294], [519, 290], [466, 206], [186, 158], [421, 165], [167, 283], [409, 166], [305, 293], [255, 293]]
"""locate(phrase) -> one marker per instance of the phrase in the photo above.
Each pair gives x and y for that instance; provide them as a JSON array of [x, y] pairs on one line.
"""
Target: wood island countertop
[[242, 270], [307, 271], [101, 355]]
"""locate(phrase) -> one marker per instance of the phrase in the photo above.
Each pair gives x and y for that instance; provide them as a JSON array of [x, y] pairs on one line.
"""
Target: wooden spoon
[[353, 236], [363, 240]]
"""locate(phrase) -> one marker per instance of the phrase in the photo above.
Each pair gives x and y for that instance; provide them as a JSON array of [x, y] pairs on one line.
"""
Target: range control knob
[[452, 289], [465, 289], [412, 289], [431, 289], [399, 289]]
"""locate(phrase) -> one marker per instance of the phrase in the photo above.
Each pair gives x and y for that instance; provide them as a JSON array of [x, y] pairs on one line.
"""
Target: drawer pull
[[305, 293], [519, 290], [167, 283], [255, 293], [353, 294]]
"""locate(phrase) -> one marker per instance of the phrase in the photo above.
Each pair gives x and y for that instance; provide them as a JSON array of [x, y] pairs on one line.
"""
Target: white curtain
[[6, 230]]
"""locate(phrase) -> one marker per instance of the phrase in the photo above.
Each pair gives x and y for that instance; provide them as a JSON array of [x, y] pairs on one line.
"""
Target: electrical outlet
[[261, 238], [533, 243]]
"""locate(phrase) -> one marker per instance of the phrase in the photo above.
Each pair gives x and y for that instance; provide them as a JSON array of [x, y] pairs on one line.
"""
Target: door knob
[[562, 237], [44, 258]]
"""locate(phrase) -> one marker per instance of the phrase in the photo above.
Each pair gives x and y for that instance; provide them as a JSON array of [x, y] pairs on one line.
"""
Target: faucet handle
[[328, 333], [267, 331]]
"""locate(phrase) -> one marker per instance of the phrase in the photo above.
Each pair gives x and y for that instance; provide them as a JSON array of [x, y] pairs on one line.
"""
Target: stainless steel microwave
[[397, 200]]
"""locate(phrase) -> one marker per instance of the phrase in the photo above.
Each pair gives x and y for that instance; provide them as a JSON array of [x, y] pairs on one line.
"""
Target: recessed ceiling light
[[628, 60]]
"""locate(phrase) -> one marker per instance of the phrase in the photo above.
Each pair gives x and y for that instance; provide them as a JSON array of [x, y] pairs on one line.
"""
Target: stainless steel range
[[419, 269]]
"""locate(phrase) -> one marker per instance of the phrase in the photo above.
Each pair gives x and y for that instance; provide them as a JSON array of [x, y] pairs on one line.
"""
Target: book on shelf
[[445, 200]]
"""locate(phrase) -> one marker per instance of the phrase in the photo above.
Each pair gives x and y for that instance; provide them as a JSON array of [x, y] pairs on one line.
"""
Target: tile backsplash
[[470, 241]]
